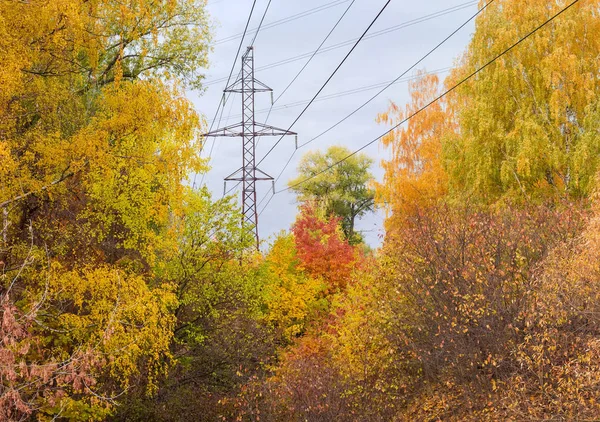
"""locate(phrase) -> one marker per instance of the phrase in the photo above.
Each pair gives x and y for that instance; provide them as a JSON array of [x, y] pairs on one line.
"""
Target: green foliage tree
[[221, 334], [344, 191]]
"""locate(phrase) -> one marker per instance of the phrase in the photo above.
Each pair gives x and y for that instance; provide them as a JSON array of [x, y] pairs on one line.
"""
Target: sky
[[378, 59]]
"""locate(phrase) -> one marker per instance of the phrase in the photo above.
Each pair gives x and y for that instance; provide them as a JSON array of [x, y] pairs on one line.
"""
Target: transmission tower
[[249, 130]]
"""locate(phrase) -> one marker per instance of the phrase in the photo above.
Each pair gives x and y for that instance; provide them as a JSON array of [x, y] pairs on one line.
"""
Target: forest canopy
[[127, 294]]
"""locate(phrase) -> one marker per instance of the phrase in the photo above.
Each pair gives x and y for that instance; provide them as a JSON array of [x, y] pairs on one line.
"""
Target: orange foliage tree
[[322, 249], [414, 175]]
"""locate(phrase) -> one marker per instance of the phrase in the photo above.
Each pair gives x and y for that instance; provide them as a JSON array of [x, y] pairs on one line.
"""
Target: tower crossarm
[[260, 129], [239, 87], [238, 176], [233, 131], [266, 130]]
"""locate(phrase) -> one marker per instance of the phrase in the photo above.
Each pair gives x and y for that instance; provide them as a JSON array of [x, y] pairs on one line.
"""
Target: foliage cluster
[[96, 139], [339, 184], [482, 303], [125, 295]]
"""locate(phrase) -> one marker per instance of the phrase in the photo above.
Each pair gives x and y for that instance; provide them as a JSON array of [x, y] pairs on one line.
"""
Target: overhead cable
[[381, 32], [285, 20], [222, 103], [330, 77], [454, 87]]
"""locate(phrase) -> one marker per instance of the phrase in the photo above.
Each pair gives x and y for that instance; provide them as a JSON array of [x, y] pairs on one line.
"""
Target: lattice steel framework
[[249, 130]]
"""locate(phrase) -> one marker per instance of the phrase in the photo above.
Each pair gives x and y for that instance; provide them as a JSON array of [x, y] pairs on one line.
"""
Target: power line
[[261, 22], [230, 107], [227, 84], [315, 52], [387, 85], [329, 78], [381, 32], [212, 147], [464, 80], [346, 93], [286, 20], [307, 62], [429, 53], [375, 34], [231, 190], [237, 54], [426, 106]]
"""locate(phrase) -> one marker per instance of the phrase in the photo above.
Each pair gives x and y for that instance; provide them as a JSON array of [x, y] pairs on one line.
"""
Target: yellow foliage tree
[[527, 124], [292, 296], [96, 140]]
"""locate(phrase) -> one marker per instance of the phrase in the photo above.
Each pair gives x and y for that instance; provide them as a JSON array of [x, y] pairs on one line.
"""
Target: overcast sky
[[376, 60]]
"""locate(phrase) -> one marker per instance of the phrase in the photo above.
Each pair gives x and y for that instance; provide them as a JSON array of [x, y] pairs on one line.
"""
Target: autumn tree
[[65, 55], [322, 249], [221, 335], [482, 305], [563, 332], [528, 123], [343, 191], [293, 296], [454, 299], [414, 175], [96, 138]]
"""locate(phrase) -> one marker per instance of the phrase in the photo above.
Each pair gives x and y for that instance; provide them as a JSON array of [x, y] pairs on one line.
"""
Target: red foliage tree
[[322, 249]]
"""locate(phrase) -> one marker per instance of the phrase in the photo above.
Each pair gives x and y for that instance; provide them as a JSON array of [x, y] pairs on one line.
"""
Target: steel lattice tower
[[249, 130]]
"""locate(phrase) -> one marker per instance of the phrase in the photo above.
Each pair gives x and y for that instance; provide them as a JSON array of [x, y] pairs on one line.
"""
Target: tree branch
[[62, 178]]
